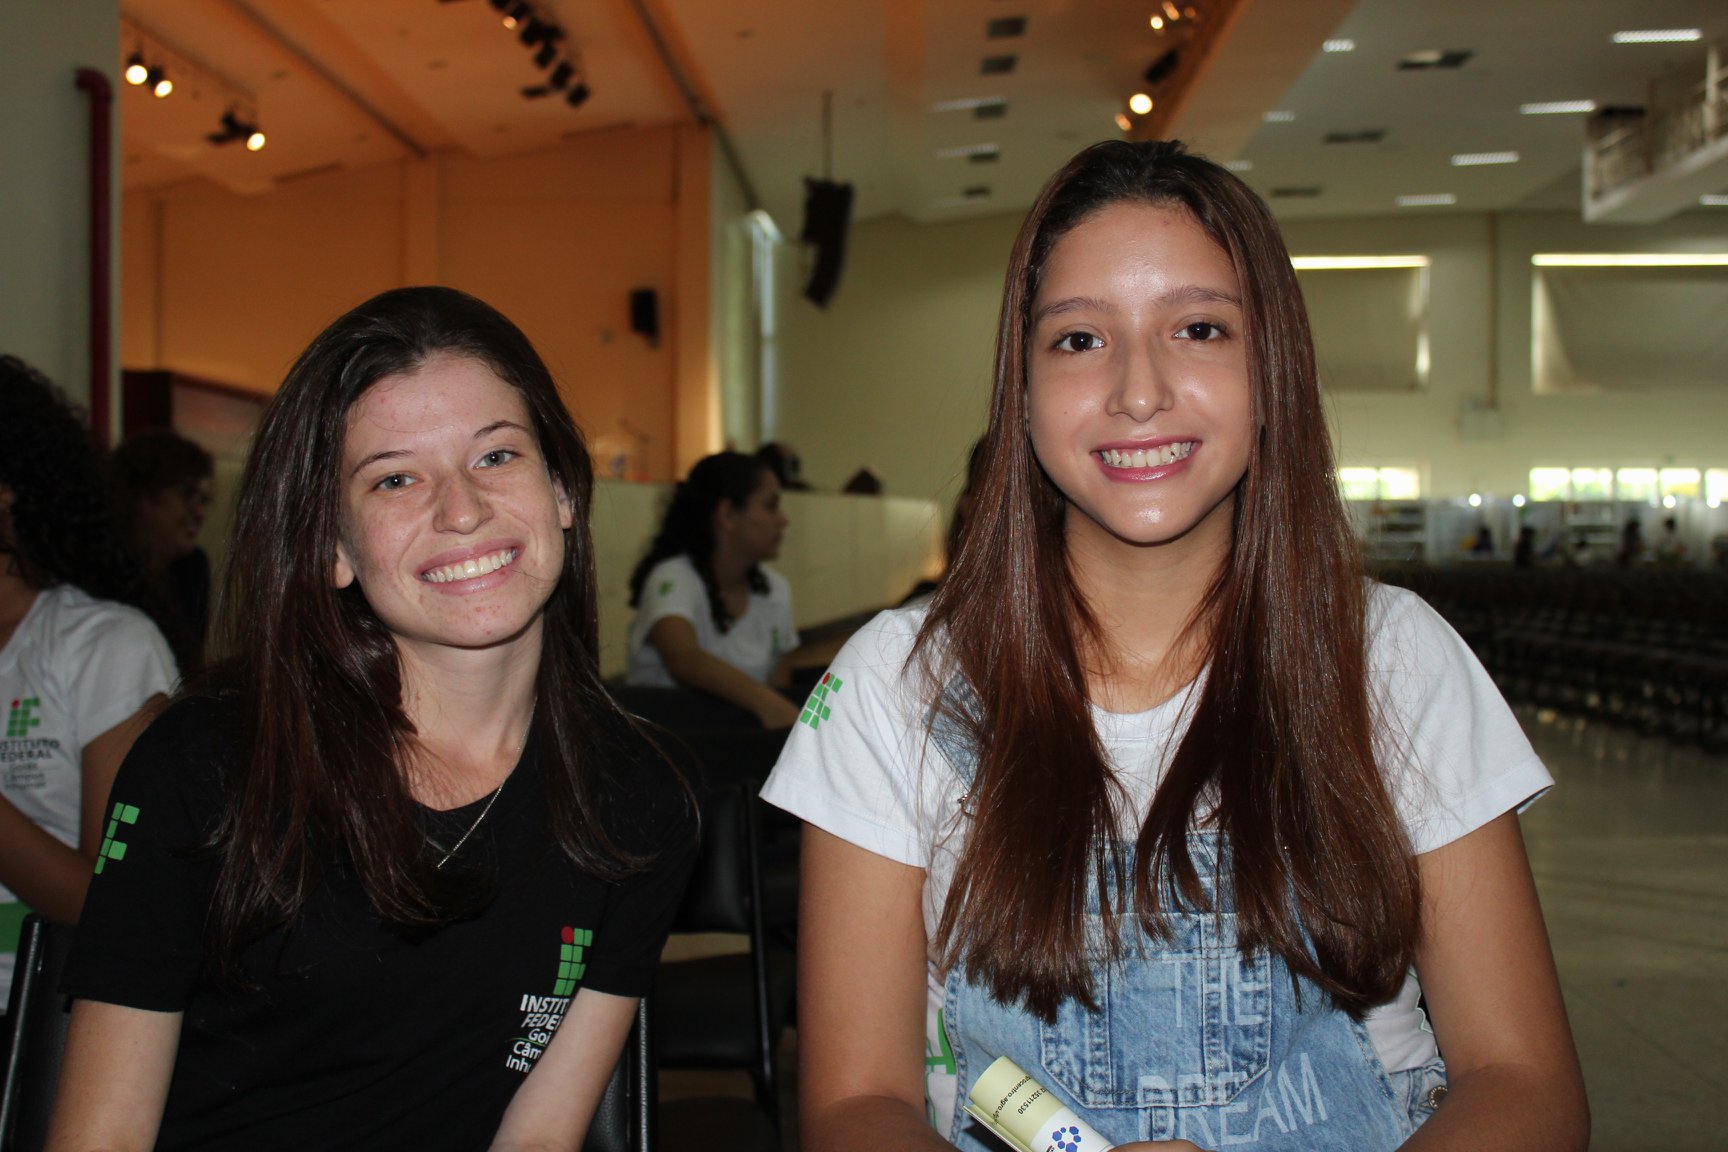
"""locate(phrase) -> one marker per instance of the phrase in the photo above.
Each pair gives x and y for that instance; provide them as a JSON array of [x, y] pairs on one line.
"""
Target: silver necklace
[[457, 847]]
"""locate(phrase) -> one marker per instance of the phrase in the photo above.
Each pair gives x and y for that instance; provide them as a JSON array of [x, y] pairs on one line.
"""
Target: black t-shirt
[[351, 1034]]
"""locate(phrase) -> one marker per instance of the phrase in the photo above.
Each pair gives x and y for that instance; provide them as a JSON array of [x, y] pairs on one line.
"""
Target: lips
[[471, 568]]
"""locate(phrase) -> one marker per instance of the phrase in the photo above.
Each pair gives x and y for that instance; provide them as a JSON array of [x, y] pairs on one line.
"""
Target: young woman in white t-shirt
[[1160, 798], [708, 616]]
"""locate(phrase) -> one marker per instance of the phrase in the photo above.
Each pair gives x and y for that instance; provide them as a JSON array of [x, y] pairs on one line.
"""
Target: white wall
[[44, 178]]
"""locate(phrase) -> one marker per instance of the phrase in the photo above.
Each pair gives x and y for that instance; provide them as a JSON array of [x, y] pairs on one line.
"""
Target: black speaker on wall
[[645, 315], [827, 215]]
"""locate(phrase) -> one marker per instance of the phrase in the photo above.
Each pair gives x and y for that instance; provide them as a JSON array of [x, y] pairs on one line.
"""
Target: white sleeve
[[853, 765], [115, 659], [673, 588], [1454, 754]]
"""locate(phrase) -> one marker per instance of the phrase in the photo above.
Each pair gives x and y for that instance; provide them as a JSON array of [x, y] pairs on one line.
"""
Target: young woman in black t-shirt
[[396, 873]]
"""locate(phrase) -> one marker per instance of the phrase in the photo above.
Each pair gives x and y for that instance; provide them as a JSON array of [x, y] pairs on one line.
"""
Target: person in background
[[397, 872], [165, 482], [788, 466], [1159, 797], [709, 615], [82, 662]]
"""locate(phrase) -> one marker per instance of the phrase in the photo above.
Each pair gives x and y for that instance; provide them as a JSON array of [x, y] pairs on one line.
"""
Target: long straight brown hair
[[1278, 760], [318, 775]]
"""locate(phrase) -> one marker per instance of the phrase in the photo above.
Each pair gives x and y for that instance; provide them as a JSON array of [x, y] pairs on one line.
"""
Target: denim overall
[[1192, 1039]]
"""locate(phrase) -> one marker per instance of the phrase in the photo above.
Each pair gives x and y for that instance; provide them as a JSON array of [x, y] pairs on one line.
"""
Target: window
[[1380, 483], [1369, 315]]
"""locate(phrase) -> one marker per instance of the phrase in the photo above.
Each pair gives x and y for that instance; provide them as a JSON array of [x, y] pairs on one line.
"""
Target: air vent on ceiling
[[990, 111], [1435, 58], [1365, 136], [984, 157], [998, 65], [1005, 27], [976, 192], [1297, 192]]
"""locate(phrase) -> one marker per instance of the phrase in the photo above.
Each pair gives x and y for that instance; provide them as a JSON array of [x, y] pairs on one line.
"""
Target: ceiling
[[347, 84]]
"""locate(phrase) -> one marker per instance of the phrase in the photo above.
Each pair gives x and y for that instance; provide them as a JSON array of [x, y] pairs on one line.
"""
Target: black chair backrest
[[36, 1014], [624, 1119], [723, 885]]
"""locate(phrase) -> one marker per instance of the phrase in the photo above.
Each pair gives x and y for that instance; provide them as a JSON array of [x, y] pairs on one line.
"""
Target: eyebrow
[[402, 453], [1187, 294]]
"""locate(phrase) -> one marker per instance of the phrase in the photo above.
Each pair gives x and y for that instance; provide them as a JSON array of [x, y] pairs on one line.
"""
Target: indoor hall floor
[[1630, 853]]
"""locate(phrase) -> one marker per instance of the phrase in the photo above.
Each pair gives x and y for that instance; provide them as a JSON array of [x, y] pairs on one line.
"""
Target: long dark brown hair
[[1278, 760], [318, 776]]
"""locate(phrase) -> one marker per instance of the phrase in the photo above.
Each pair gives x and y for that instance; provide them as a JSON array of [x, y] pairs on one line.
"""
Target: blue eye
[[1079, 342], [496, 457]]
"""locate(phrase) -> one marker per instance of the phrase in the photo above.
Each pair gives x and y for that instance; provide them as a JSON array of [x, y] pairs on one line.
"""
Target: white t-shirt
[[1453, 753], [74, 667], [753, 645]]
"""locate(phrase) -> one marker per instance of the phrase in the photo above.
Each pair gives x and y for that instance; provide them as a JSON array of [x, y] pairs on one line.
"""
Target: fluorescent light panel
[[1329, 263], [967, 103], [1473, 159], [1630, 259], [1557, 107], [1426, 200], [1340, 45], [966, 150], [1714, 200], [1239, 165], [1659, 36], [1279, 116]]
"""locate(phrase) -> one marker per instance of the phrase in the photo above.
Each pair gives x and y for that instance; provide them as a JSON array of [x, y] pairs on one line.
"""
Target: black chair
[[37, 1015], [624, 1120], [729, 1011]]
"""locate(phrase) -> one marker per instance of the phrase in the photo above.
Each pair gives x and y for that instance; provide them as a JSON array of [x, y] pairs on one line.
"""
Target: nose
[[1141, 388], [462, 505]]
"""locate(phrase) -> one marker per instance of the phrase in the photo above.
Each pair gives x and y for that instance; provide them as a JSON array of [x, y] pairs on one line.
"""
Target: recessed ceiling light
[[1470, 159], [1557, 107], [1629, 259], [1124, 123], [1239, 165], [1659, 36], [1714, 200], [1427, 200], [1443, 58], [1278, 116], [1139, 103], [1324, 263], [1340, 45]]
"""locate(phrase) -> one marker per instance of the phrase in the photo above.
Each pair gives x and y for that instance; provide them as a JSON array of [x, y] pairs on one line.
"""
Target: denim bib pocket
[[1181, 1023]]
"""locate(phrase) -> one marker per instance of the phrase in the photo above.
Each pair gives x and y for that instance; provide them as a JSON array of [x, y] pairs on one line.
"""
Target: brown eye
[[1079, 342]]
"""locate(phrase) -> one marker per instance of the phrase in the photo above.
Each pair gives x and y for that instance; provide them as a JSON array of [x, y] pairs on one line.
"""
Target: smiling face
[[1137, 379], [451, 524]]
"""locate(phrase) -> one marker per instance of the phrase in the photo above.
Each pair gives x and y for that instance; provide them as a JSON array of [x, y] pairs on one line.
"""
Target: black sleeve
[[140, 939], [651, 811]]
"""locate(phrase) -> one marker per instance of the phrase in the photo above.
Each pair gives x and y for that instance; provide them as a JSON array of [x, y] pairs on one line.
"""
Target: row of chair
[[1647, 649], [715, 1012]]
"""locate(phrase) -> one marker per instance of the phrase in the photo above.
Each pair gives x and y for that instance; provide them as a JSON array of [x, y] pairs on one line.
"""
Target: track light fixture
[[136, 70], [579, 94], [158, 80], [234, 128], [543, 35], [515, 14]]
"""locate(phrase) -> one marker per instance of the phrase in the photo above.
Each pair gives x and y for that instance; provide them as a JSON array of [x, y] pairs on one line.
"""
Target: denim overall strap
[[1191, 1039]]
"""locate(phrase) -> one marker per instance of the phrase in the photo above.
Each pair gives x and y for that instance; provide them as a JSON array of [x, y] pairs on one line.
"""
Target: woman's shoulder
[[188, 750], [677, 567], [68, 612], [1401, 624]]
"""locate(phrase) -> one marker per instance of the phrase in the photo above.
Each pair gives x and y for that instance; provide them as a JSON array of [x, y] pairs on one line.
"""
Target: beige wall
[[44, 175], [231, 287], [896, 372]]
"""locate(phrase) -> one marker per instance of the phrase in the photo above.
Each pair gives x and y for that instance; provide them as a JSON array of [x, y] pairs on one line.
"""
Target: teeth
[[1147, 457], [468, 569]]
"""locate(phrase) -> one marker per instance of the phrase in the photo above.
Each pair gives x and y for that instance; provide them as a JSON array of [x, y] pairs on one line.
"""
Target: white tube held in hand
[[1024, 1113]]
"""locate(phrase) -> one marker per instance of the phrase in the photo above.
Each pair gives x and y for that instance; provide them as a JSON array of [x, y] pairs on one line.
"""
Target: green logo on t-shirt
[[22, 717], [113, 849], [571, 959], [816, 709], [665, 588]]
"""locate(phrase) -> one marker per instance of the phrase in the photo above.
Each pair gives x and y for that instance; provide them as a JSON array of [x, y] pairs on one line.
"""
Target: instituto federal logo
[[22, 717], [113, 849], [541, 1015], [817, 708]]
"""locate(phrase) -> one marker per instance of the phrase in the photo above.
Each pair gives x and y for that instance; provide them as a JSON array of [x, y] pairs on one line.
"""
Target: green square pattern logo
[[817, 708], [112, 848], [572, 962], [21, 717]]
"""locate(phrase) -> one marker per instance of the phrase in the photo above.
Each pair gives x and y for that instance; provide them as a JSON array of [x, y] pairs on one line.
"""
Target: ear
[[344, 574], [725, 517], [566, 509]]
